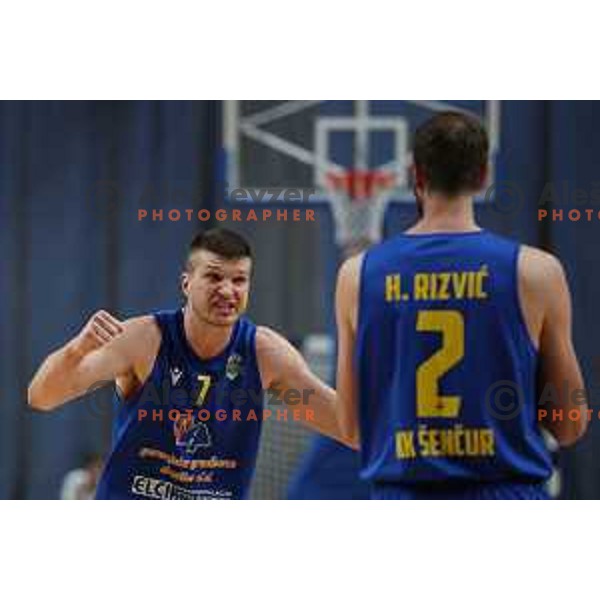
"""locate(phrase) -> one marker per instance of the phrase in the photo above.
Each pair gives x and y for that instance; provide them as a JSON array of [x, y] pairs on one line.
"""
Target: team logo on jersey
[[176, 374], [191, 435], [233, 367]]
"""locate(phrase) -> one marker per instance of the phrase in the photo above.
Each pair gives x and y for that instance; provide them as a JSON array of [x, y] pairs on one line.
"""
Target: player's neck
[[205, 339], [440, 214]]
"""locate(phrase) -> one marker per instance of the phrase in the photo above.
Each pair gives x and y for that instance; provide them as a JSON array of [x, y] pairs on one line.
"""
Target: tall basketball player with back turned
[[190, 383], [447, 334]]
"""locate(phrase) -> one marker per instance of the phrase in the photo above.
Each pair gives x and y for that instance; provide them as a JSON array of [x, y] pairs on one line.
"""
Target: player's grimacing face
[[217, 288]]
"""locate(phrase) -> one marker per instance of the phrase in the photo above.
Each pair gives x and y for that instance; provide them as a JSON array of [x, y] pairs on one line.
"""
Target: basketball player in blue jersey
[[190, 383], [450, 337]]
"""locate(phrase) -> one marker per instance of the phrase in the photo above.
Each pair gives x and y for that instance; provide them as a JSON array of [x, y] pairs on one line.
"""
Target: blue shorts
[[480, 491]]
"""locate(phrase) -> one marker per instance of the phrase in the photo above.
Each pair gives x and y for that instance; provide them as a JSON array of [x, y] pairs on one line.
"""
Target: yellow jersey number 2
[[450, 323]]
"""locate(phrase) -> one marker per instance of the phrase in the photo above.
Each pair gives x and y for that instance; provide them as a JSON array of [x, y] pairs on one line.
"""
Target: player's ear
[[412, 171], [185, 283], [418, 178]]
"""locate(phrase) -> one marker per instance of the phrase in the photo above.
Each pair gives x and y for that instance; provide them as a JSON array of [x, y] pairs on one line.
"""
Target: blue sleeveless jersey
[[192, 431], [447, 370]]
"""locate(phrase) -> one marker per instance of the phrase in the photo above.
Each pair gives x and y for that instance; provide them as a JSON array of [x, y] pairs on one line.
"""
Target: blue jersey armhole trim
[[359, 302], [520, 313], [252, 331]]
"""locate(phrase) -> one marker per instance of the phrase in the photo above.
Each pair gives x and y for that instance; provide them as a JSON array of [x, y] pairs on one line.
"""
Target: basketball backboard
[[344, 151]]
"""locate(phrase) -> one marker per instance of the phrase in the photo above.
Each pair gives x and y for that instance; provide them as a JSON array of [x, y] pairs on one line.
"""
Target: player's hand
[[97, 332]]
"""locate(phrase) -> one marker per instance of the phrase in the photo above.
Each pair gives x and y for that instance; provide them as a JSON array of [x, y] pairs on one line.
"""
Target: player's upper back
[[446, 365]]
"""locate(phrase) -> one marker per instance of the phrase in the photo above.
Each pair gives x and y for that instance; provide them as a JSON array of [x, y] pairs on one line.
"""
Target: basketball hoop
[[361, 186], [358, 200]]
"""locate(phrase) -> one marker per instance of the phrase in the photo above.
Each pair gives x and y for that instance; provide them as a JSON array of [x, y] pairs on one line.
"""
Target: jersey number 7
[[205, 382]]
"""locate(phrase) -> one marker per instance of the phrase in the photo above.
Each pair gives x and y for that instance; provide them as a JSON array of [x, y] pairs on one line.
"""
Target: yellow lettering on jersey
[[429, 441], [454, 442], [432, 279], [444, 280], [405, 446], [487, 442], [204, 387], [480, 276], [421, 286], [470, 285], [429, 401], [460, 285], [392, 288]]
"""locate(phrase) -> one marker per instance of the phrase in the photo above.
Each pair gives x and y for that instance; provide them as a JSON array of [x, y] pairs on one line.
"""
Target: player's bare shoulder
[[275, 356], [267, 339], [347, 290], [541, 278], [539, 272], [139, 341], [269, 344], [537, 265], [145, 336], [350, 269], [143, 328]]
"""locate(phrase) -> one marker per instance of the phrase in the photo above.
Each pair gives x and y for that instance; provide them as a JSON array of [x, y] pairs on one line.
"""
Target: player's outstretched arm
[[103, 351], [560, 384], [285, 373], [346, 313]]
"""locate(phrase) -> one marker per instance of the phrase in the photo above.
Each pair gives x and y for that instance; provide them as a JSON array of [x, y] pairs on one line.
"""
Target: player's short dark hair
[[223, 242], [451, 150]]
